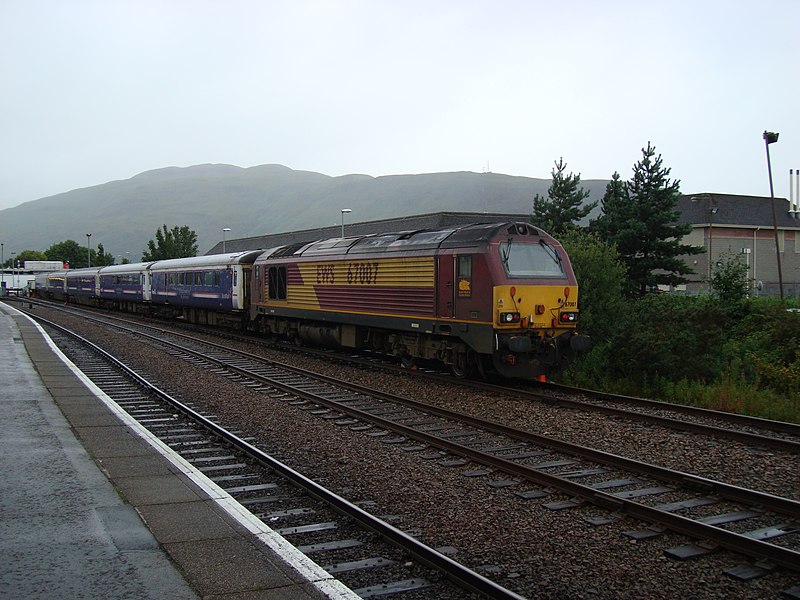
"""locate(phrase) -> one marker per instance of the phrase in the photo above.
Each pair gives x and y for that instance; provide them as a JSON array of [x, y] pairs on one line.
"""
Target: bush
[[601, 278], [732, 354], [672, 337]]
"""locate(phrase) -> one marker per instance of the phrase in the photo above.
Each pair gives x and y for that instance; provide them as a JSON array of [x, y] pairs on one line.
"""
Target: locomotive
[[491, 297]]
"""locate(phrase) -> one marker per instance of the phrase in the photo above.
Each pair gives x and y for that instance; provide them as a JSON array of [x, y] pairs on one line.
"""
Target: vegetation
[[563, 207], [641, 218], [729, 281], [76, 256], [178, 242], [602, 278], [724, 351], [101, 258], [733, 355], [20, 258]]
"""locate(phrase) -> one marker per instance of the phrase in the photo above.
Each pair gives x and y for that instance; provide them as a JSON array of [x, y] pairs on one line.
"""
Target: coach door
[[446, 294], [247, 276], [145, 282]]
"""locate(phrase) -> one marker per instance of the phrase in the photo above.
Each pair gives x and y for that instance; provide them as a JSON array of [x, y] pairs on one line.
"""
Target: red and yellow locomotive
[[499, 297]]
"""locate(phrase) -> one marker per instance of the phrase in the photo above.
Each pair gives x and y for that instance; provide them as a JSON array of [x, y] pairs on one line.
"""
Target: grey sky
[[94, 91]]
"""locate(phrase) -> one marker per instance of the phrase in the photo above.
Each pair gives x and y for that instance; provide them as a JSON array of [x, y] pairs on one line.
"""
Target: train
[[481, 298]]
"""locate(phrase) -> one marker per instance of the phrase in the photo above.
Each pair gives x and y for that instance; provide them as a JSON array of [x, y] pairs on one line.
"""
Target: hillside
[[124, 215]]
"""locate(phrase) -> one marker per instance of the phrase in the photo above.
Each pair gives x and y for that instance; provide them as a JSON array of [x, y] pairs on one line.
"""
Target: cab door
[[463, 286], [446, 288]]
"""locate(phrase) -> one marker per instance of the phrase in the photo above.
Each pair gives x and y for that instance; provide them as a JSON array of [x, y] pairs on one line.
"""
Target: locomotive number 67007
[[362, 272]]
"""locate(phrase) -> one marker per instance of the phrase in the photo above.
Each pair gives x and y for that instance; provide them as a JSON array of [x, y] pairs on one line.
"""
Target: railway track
[[753, 431], [748, 522], [366, 553]]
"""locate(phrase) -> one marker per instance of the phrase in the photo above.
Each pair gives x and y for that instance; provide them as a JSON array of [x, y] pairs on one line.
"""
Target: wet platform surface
[[89, 508]]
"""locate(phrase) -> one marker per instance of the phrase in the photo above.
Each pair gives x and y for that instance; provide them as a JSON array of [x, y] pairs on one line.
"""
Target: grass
[[729, 395]]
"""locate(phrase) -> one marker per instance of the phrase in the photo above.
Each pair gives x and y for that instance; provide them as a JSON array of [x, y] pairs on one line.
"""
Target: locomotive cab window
[[530, 260], [277, 283]]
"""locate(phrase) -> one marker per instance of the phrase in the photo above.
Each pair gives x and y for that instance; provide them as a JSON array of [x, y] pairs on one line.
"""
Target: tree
[[68, 252], [22, 257], [729, 280], [601, 280], [563, 207], [102, 258], [77, 256], [178, 242], [614, 204], [641, 218]]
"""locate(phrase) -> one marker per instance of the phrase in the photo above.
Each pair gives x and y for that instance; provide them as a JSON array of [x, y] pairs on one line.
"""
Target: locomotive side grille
[[401, 286]]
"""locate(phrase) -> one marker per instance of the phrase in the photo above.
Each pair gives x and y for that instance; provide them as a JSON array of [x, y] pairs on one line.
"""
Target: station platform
[[91, 506]]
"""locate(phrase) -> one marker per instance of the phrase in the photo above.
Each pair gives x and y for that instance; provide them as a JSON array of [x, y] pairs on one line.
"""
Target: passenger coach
[[125, 287], [204, 289]]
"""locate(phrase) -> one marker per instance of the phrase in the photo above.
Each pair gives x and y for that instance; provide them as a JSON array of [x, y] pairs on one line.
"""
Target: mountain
[[124, 215]]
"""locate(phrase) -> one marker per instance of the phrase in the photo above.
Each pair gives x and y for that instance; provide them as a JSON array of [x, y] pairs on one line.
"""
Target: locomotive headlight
[[568, 317], [509, 317]]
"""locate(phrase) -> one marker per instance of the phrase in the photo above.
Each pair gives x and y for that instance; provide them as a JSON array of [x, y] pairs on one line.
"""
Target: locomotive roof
[[423, 239]]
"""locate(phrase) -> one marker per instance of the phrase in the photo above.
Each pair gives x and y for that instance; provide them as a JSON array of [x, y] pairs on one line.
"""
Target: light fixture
[[770, 137], [344, 210]]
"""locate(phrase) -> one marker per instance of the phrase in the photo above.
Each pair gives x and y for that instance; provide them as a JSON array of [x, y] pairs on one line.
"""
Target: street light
[[711, 212], [89, 248], [344, 210], [770, 138], [224, 231]]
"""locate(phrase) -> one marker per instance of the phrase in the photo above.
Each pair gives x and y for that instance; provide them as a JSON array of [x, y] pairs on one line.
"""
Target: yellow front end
[[552, 309]]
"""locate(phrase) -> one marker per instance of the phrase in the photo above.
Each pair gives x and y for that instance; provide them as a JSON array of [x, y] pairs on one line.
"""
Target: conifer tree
[[563, 207], [641, 218]]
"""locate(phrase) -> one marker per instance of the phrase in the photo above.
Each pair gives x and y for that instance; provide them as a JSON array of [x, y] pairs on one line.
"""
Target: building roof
[[731, 210], [739, 211]]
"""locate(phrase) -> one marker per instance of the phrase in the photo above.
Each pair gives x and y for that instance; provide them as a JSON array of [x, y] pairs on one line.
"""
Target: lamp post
[[2, 264], [89, 248], [344, 210], [770, 138], [224, 231], [13, 260], [711, 212]]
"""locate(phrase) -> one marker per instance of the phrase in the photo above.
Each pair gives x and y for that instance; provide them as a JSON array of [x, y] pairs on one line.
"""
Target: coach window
[[465, 277]]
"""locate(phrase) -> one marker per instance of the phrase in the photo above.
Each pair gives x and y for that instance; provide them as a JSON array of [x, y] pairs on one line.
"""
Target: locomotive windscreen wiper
[[507, 252], [551, 251]]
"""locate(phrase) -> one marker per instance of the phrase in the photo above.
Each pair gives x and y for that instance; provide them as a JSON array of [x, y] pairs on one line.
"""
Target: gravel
[[520, 544]]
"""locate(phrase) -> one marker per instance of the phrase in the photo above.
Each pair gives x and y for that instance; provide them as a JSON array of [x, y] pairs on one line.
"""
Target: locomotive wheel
[[463, 366]]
